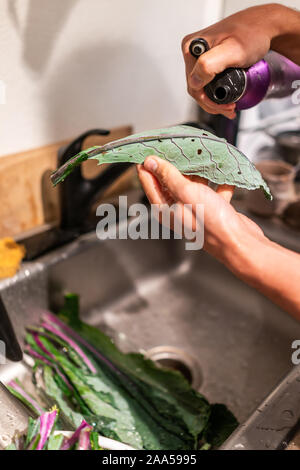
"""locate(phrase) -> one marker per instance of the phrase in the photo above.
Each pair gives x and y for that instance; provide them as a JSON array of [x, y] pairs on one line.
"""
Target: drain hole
[[175, 364], [179, 360]]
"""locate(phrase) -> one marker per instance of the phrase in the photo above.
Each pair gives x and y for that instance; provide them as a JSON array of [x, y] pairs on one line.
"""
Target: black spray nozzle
[[198, 46], [227, 86]]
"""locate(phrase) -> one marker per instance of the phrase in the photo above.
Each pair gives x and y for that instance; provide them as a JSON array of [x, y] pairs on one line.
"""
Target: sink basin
[[152, 295]]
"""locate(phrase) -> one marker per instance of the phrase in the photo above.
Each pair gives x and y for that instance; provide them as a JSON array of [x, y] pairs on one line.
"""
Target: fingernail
[[150, 164], [196, 81]]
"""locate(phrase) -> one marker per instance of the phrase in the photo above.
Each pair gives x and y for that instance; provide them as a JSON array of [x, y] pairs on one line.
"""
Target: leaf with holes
[[192, 151]]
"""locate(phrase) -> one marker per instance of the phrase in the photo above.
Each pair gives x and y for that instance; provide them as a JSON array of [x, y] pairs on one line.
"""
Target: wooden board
[[27, 197]]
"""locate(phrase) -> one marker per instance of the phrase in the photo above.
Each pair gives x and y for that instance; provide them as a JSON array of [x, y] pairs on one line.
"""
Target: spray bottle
[[271, 77]]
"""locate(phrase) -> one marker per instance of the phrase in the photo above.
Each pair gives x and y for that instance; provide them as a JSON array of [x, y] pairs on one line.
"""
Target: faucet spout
[[77, 194]]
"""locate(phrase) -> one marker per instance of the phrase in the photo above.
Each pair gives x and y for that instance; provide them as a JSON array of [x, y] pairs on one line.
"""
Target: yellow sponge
[[11, 255]]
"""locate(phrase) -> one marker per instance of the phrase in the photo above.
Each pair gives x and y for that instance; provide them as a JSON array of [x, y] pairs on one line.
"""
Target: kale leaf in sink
[[125, 397]]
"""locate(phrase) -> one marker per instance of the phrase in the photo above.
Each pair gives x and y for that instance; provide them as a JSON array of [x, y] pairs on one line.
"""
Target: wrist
[[277, 19], [283, 21], [244, 255]]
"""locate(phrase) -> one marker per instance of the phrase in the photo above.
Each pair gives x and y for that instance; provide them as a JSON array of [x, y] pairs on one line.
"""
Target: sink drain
[[177, 359]]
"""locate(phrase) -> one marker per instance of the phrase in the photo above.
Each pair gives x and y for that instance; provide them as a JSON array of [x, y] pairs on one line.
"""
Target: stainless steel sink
[[152, 293]]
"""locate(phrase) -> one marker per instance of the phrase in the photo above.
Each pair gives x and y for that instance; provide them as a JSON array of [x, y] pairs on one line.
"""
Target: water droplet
[[239, 446]]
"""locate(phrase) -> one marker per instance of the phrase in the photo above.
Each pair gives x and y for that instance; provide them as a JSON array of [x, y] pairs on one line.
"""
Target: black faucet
[[76, 197], [78, 193]]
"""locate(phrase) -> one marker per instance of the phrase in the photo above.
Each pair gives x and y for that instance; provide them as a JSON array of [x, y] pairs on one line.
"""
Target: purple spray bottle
[[271, 77]]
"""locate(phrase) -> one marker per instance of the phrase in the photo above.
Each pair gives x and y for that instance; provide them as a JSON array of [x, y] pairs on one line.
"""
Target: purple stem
[[84, 442], [47, 421], [41, 346], [33, 353], [26, 396], [72, 343], [70, 331], [69, 443]]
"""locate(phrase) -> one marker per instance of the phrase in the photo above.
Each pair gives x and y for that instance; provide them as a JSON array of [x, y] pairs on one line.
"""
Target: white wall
[[70, 65]]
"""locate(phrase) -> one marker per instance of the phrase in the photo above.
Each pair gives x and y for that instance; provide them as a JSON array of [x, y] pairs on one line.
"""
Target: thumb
[[167, 175], [226, 192]]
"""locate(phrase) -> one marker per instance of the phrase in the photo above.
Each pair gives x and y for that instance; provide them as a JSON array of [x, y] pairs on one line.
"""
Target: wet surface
[[150, 293]]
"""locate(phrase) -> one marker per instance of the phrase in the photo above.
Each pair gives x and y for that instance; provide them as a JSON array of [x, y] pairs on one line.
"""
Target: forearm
[[286, 39], [269, 268]]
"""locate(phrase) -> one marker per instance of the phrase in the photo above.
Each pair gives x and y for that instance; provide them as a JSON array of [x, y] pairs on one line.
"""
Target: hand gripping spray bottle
[[271, 77]]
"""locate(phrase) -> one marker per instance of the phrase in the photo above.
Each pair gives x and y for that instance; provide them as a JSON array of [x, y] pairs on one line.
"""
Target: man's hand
[[239, 41], [164, 184], [231, 237]]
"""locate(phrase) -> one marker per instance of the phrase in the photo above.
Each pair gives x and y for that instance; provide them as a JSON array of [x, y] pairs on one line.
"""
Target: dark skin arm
[[287, 42], [235, 240], [229, 236]]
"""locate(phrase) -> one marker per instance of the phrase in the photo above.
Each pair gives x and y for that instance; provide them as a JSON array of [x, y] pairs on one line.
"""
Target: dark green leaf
[[221, 424]]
